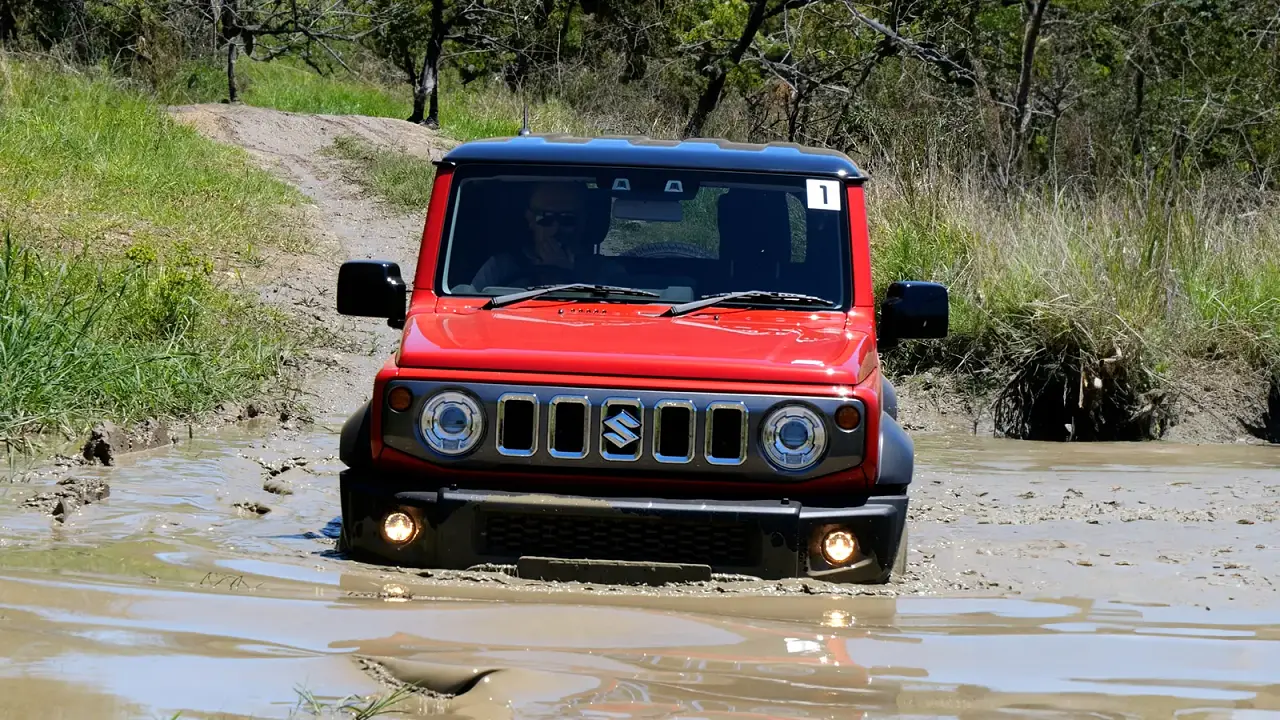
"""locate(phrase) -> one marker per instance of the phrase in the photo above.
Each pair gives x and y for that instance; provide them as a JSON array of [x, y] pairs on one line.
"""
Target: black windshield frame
[[842, 301]]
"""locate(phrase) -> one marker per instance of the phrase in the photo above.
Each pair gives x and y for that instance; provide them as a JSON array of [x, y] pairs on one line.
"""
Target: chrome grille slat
[[500, 436], [744, 424], [660, 430], [553, 412]]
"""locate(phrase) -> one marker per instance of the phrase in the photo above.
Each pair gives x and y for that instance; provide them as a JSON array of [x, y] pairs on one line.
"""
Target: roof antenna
[[524, 129]]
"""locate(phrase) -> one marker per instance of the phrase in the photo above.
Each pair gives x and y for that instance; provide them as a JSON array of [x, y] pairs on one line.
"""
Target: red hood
[[631, 341]]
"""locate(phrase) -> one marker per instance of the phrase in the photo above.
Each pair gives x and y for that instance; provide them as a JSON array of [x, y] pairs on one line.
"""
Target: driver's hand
[[550, 252]]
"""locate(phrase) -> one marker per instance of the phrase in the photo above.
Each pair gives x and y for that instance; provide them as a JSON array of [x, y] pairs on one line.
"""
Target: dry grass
[[1099, 296]]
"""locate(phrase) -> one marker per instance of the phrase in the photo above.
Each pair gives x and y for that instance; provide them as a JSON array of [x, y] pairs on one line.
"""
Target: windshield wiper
[[541, 290], [763, 295]]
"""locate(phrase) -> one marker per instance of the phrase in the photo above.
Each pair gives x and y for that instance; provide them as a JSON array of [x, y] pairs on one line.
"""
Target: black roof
[[696, 154]]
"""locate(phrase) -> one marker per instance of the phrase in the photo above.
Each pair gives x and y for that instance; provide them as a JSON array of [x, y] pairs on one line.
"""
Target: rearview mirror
[[913, 309], [648, 210], [372, 288]]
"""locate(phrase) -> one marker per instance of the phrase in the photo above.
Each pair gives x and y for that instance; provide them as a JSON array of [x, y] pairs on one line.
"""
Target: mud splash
[[1126, 580]]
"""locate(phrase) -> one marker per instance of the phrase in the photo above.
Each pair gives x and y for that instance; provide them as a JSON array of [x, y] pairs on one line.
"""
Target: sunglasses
[[547, 218]]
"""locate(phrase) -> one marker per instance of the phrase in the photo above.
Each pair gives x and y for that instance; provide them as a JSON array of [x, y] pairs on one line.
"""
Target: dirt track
[[209, 565]]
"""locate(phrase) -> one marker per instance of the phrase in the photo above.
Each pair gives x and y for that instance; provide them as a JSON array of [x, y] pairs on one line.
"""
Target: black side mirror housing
[[372, 288], [914, 309]]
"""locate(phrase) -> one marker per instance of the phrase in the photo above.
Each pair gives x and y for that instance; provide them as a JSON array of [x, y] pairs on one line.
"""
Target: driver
[[556, 249]]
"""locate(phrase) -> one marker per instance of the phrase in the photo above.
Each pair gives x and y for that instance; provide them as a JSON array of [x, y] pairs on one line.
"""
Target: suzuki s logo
[[622, 426]]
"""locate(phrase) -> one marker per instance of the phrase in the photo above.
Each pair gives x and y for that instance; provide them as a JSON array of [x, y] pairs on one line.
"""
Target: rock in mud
[[253, 508], [101, 443], [278, 486], [70, 495], [279, 467], [285, 483], [108, 440]]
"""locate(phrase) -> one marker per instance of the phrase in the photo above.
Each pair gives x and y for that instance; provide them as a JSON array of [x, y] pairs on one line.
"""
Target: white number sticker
[[823, 194]]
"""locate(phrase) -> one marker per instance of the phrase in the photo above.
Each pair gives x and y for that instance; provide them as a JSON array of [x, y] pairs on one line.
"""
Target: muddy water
[[1036, 586]]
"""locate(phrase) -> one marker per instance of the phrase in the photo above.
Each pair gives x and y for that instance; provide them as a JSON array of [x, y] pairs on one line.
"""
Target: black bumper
[[765, 539]]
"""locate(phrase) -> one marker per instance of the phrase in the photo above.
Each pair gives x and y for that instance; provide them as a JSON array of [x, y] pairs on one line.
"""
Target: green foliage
[[118, 222], [289, 85], [92, 160], [86, 337]]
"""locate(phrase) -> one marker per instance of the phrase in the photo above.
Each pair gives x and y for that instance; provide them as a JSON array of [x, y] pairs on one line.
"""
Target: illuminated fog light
[[839, 546], [398, 528], [794, 437], [452, 423]]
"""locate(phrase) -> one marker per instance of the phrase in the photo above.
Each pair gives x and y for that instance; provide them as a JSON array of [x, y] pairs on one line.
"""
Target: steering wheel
[[546, 275]]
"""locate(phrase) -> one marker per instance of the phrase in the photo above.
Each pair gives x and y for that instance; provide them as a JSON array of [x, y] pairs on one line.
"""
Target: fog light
[[839, 546], [400, 399], [398, 528]]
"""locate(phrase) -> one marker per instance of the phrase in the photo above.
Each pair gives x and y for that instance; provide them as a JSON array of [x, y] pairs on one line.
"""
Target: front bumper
[[460, 529]]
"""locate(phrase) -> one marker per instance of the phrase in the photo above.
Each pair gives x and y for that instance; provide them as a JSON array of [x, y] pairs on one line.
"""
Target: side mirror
[[372, 288], [912, 309]]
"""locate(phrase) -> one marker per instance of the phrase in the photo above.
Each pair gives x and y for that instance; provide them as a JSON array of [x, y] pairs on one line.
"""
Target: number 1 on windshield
[[822, 194]]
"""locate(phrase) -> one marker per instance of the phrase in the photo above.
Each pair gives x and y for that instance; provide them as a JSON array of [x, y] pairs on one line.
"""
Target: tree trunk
[[1021, 114], [8, 23], [426, 94], [718, 73], [232, 95], [419, 98]]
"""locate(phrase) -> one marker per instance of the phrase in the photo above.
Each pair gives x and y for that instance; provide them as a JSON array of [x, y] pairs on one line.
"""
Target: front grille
[[621, 429], [726, 433], [567, 427], [517, 424], [674, 431], [512, 535], [618, 428]]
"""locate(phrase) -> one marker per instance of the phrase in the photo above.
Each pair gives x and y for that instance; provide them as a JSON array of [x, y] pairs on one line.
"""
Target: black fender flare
[[355, 447], [897, 454], [888, 398]]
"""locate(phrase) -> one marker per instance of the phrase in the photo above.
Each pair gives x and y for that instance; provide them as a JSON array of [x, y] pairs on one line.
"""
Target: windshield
[[682, 235]]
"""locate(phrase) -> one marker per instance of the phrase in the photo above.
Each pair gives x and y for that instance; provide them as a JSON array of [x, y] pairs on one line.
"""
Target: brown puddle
[[166, 598]]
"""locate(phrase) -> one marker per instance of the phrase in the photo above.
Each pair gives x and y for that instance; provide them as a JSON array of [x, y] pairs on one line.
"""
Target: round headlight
[[452, 423], [794, 437]]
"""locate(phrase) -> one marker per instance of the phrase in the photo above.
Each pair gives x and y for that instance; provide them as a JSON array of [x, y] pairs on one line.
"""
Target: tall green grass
[[121, 231], [88, 159], [82, 339]]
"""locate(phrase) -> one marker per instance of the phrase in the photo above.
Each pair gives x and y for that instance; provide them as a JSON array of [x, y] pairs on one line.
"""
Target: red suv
[[627, 358]]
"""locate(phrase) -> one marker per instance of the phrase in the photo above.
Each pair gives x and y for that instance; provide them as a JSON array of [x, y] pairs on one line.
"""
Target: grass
[[119, 230], [467, 112], [356, 708], [1108, 297], [400, 179], [288, 85]]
